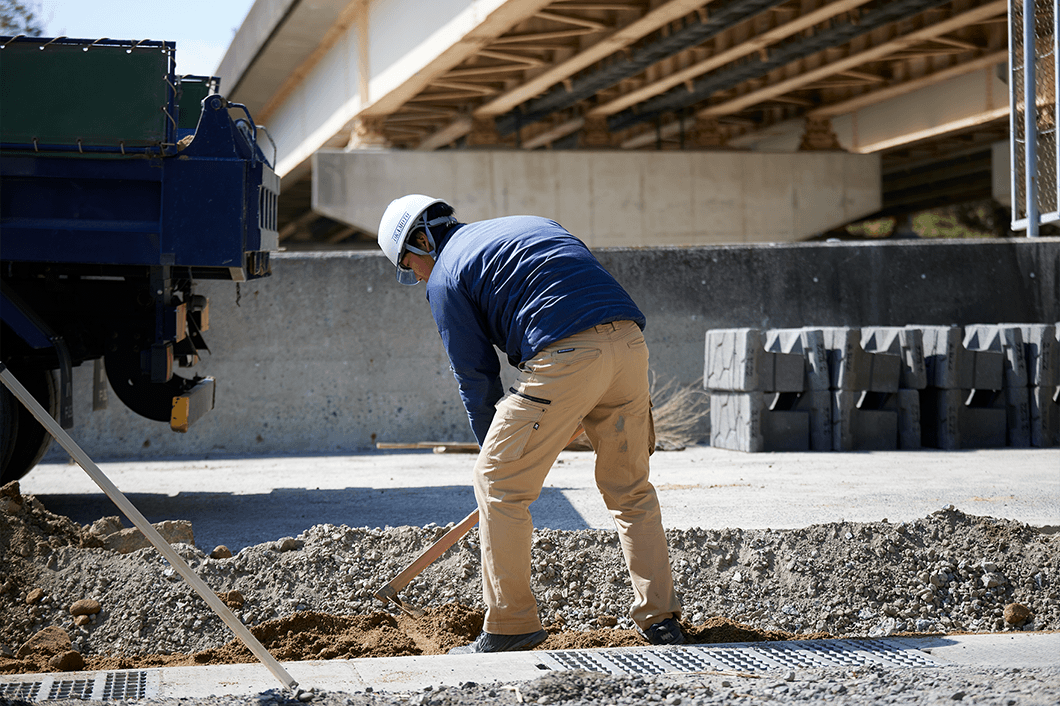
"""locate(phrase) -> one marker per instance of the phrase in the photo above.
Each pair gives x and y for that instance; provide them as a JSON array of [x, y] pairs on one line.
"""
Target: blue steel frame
[[210, 206], [201, 203]]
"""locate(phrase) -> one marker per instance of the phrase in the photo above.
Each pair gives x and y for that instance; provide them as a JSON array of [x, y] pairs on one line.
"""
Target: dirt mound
[[310, 635], [29, 531], [48, 650], [311, 597], [29, 537]]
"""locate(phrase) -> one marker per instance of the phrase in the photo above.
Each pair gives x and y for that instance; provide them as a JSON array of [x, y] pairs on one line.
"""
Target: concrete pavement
[[245, 501]]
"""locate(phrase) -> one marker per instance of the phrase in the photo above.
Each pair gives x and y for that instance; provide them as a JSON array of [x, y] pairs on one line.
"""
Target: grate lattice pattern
[[745, 657]]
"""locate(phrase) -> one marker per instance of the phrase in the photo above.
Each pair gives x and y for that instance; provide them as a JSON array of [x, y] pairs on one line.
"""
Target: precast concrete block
[[860, 423], [952, 364], [745, 421], [851, 367], [905, 342], [909, 428], [736, 420], [1045, 416], [809, 343], [962, 419], [818, 404], [785, 430], [736, 360], [1018, 416], [1009, 340], [1041, 353]]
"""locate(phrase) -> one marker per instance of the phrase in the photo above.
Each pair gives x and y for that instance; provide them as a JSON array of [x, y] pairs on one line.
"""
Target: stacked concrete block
[[864, 386], [1041, 348], [752, 392], [908, 345], [962, 405], [816, 398], [884, 388], [1015, 393]]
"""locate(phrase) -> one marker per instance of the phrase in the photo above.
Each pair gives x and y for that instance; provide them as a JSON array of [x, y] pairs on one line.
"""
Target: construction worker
[[533, 290]]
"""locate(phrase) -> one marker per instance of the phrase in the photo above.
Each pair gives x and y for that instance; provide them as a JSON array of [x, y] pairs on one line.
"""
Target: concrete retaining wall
[[331, 354]]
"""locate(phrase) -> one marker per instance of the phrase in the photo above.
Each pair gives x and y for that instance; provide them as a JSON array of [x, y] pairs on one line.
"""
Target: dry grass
[[681, 413]]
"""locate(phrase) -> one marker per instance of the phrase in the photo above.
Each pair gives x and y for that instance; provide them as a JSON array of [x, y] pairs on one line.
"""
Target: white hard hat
[[400, 218]]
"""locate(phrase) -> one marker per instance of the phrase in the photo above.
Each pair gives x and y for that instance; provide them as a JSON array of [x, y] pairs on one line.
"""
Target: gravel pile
[[946, 572]]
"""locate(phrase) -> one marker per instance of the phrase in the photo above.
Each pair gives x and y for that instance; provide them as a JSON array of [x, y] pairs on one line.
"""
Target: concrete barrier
[[330, 354]]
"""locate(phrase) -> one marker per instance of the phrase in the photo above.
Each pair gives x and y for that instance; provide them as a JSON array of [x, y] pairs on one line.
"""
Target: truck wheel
[[8, 427], [31, 439]]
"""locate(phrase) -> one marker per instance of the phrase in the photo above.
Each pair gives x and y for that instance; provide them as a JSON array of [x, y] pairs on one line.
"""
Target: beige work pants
[[599, 378]]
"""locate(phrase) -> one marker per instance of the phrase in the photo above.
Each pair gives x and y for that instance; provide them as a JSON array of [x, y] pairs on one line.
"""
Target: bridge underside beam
[[611, 198]]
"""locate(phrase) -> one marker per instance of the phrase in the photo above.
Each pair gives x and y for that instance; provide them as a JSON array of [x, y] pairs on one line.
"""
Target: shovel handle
[[427, 557], [390, 590]]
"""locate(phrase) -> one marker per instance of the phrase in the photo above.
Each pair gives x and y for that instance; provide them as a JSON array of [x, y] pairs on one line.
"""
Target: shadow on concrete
[[238, 521]]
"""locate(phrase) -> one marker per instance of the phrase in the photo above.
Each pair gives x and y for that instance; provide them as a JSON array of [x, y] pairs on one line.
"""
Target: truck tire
[[31, 439], [8, 426]]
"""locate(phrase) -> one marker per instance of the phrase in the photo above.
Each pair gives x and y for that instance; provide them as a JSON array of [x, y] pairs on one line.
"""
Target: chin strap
[[443, 220]]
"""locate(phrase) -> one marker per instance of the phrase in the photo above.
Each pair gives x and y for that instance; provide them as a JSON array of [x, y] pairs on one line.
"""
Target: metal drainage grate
[[744, 657], [125, 686], [72, 689], [26, 690], [897, 655], [99, 686], [580, 660], [794, 655], [739, 658]]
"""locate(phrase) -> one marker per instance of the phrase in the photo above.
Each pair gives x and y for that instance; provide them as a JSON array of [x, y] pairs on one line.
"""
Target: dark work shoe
[[665, 632], [488, 642]]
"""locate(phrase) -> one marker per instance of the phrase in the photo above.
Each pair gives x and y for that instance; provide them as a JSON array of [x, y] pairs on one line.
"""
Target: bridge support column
[[705, 134], [595, 133], [367, 134], [484, 133], [819, 135]]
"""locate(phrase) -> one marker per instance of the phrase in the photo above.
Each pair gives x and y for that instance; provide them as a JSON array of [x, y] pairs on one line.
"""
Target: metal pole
[[141, 523], [1030, 127]]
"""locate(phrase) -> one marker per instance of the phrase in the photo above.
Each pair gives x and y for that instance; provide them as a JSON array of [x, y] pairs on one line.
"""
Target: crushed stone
[[311, 596]]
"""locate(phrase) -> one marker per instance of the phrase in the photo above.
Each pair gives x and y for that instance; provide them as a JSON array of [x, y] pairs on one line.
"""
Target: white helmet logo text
[[400, 225]]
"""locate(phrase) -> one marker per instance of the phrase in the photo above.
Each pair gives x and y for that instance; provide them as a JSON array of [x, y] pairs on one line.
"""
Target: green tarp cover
[[106, 94], [193, 90]]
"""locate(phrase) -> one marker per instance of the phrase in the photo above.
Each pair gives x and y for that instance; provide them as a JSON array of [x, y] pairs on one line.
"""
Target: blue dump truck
[[122, 183]]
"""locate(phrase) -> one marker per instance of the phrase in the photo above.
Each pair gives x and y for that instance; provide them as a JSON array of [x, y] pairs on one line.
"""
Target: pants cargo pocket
[[514, 426]]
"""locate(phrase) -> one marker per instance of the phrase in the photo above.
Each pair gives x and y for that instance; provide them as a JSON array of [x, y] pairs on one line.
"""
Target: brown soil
[[30, 530], [310, 635]]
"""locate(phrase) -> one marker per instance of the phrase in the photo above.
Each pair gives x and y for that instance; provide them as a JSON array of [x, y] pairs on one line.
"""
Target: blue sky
[[202, 29]]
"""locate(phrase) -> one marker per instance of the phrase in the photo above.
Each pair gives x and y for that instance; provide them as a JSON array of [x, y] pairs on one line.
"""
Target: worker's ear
[[419, 239]]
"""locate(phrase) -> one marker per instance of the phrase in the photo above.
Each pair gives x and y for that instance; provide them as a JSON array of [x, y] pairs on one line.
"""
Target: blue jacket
[[519, 283]]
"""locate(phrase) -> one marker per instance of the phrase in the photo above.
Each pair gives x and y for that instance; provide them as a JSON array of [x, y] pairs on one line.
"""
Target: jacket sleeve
[[472, 357]]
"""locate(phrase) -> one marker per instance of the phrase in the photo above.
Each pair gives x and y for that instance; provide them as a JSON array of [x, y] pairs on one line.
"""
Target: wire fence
[[1033, 81]]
